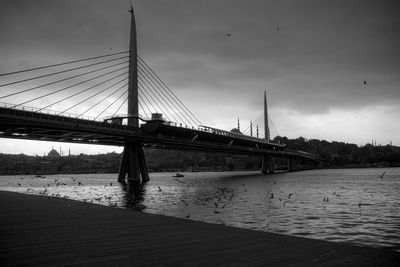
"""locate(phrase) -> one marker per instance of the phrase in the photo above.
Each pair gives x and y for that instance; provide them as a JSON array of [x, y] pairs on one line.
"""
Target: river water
[[341, 205]]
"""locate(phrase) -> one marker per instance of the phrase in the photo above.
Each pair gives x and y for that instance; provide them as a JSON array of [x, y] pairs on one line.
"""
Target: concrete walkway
[[36, 230]]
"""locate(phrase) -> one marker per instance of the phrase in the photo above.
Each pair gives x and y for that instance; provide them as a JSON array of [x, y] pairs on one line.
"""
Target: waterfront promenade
[[39, 230]]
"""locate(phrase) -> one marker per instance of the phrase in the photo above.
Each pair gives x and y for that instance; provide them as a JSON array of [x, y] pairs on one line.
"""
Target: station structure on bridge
[[34, 124]]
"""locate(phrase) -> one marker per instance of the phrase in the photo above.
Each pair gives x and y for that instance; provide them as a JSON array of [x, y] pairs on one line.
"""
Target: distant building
[[53, 154], [236, 130]]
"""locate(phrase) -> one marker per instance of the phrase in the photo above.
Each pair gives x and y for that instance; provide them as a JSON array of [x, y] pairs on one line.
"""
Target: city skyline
[[330, 69]]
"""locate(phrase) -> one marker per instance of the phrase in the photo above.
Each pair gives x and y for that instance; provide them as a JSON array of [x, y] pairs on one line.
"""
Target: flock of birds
[[222, 198], [52, 187]]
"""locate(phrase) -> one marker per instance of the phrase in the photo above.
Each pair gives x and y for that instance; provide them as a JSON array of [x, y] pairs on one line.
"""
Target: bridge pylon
[[133, 163], [267, 166]]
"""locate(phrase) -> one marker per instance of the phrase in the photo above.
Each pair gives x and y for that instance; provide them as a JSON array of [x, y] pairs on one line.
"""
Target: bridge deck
[[23, 124], [56, 232]]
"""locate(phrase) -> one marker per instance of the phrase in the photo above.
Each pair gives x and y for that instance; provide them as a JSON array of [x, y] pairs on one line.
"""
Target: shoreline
[[277, 171], [40, 230]]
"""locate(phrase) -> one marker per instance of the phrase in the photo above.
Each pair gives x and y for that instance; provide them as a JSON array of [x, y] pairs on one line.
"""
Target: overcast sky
[[218, 56]]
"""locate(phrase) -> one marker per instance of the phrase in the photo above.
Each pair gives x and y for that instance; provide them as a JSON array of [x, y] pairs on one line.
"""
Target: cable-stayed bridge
[[117, 99]]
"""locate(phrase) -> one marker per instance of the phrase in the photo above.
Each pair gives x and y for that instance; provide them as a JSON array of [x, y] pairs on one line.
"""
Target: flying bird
[[382, 175], [365, 82], [228, 34], [290, 195]]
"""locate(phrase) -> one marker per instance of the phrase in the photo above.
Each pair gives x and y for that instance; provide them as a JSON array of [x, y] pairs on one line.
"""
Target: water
[[347, 205]]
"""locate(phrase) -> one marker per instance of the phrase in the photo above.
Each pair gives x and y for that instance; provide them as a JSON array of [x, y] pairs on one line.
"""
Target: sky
[[331, 69]]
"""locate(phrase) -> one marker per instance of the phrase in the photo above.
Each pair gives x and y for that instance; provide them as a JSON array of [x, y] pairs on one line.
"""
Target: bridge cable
[[106, 97], [62, 80], [70, 86], [164, 97], [144, 111], [110, 104], [155, 102], [59, 72], [147, 82], [120, 106], [84, 100], [158, 78], [185, 120], [159, 101], [142, 93], [254, 122], [80, 92], [60, 64]]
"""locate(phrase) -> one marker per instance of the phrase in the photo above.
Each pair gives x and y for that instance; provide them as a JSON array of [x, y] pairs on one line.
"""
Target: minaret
[[251, 128], [238, 125], [267, 136], [133, 106]]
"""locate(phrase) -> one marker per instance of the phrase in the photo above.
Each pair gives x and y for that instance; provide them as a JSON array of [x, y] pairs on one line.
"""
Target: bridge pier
[[291, 164], [133, 164], [267, 166]]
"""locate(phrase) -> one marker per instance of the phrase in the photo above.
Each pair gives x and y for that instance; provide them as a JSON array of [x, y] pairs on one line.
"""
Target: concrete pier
[[40, 230]]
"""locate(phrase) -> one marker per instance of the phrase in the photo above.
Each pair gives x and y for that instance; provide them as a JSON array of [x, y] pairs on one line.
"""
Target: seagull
[[290, 195], [159, 189], [382, 175]]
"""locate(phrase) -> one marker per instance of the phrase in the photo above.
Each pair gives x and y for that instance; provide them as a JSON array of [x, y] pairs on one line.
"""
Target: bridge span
[[31, 125]]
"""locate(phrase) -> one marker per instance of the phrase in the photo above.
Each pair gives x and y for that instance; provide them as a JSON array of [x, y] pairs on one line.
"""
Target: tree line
[[333, 155]]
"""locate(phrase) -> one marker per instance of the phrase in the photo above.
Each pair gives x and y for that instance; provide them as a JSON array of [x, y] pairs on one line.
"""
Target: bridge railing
[[48, 112]]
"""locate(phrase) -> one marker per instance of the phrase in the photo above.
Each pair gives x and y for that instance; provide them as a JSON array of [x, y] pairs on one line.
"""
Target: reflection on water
[[133, 195], [352, 205]]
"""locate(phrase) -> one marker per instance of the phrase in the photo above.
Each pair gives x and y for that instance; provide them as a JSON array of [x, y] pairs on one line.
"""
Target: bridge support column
[[267, 166], [133, 164], [291, 164]]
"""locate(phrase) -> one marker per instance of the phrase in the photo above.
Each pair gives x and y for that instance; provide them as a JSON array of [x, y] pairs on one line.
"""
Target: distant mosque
[[237, 130], [55, 154]]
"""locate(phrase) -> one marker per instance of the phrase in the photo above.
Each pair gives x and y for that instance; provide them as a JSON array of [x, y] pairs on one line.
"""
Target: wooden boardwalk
[[36, 230]]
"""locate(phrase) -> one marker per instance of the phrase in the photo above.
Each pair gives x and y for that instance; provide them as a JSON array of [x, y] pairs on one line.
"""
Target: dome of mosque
[[53, 153], [236, 130]]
